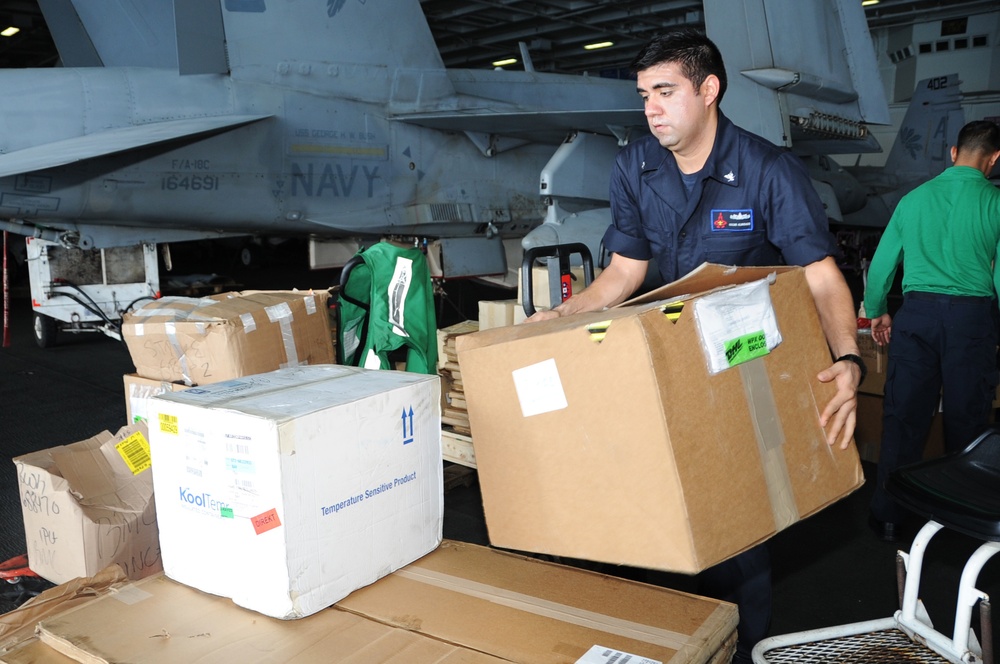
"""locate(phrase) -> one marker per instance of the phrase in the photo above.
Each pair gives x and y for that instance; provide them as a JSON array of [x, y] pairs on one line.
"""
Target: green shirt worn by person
[[948, 229]]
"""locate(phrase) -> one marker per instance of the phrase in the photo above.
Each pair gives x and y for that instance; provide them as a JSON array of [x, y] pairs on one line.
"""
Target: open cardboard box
[[625, 449], [90, 504]]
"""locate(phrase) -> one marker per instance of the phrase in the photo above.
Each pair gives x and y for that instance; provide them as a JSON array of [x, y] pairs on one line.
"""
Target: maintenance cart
[[87, 290]]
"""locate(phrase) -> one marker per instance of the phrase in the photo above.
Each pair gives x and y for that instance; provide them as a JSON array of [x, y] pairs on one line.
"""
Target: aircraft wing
[[98, 144], [546, 126]]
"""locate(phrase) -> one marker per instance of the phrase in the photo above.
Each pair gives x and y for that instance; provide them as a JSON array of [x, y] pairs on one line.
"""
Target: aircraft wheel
[[45, 330], [251, 255]]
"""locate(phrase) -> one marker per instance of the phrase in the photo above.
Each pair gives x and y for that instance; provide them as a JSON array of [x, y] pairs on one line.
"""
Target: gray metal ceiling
[[475, 33]]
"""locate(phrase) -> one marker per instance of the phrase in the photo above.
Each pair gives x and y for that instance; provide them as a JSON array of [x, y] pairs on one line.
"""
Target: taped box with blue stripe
[[614, 436], [199, 341]]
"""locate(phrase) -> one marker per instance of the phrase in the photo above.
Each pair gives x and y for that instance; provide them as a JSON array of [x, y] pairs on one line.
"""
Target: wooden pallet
[[457, 448]]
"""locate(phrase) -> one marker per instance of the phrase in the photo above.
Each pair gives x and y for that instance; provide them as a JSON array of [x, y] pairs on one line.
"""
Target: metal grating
[[889, 646]]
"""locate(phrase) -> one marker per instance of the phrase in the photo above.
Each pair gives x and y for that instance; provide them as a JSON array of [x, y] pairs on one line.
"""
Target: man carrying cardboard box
[[700, 189]]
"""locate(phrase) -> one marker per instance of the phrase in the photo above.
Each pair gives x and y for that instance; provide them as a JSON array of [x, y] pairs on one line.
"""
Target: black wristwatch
[[851, 357]]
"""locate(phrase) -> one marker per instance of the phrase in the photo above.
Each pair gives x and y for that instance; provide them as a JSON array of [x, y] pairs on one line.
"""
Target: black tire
[[251, 256], [46, 330]]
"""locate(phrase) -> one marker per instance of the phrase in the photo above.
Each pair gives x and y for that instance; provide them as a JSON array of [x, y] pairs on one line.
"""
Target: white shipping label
[[539, 389], [732, 319], [399, 288], [602, 655]]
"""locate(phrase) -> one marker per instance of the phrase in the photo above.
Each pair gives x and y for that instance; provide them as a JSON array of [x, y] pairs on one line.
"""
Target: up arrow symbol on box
[[408, 438]]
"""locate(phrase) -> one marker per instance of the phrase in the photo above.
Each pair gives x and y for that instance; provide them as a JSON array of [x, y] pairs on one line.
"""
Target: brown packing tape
[[770, 441], [556, 611]]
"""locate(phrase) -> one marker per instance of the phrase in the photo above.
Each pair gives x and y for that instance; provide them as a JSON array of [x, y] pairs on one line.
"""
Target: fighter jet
[[336, 120], [188, 119], [326, 119], [867, 195]]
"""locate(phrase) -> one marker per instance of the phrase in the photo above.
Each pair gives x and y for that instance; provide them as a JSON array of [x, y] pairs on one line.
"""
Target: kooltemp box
[[205, 340], [288, 490], [88, 505], [621, 446]]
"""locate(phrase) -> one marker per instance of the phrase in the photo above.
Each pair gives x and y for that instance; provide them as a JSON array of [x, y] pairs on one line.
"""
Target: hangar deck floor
[[828, 569]]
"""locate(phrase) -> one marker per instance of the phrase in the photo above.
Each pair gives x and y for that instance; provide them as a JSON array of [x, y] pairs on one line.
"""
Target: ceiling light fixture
[[869, 3], [593, 47], [504, 63], [10, 32]]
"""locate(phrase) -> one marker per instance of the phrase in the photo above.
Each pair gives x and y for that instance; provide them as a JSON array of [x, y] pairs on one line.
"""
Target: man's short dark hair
[[982, 136], [696, 54]]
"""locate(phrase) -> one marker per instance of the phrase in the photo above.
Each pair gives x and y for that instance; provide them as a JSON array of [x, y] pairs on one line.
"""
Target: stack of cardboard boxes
[[263, 468], [289, 490], [90, 504], [286, 490]]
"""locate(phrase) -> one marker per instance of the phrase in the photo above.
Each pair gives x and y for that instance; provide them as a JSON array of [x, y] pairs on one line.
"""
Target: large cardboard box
[[88, 505], [198, 341], [287, 490], [460, 604], [622, 447]]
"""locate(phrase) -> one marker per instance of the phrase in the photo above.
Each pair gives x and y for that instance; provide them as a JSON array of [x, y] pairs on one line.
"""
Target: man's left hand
[[840, 415]]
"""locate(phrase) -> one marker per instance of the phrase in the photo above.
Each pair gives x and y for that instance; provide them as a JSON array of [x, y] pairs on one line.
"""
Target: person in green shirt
[[945, 233]]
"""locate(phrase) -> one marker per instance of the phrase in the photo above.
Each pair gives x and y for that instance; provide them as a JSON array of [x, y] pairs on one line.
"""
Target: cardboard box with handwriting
[[88, 505]]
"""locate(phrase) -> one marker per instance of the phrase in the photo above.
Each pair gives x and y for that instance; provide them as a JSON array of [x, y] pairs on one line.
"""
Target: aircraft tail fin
[[75, 47], [929, 129], [264, 40], [813, 93], [136, 33], [270, 34]]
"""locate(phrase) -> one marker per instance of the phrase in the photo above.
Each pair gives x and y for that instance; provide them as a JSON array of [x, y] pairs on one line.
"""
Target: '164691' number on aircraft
[[190, 183]]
